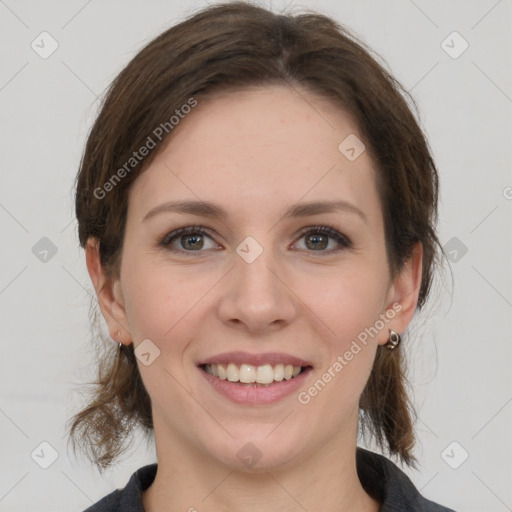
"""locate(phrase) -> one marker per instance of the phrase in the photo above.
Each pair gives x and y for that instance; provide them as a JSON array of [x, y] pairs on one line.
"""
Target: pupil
[[316, 239], [195, 244]]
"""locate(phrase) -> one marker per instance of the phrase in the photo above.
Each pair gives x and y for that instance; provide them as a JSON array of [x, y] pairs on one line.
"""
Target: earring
[[394, 340], [120, 345]]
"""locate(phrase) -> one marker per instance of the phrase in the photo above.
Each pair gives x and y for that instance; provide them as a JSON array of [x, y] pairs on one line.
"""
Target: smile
[[250, 375], [255, 379]]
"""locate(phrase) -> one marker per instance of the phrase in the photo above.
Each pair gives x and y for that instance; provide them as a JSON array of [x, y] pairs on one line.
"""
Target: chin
[[257, 451]]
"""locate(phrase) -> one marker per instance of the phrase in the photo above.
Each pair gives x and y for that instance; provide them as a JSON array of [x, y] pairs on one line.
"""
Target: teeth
[[279, 372], [265, 374], [233, 373], [221, 370], [249, 374]]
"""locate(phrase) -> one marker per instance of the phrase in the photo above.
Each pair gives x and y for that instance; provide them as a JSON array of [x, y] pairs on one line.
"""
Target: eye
[[317, 239], [189, 239], [192, 239]]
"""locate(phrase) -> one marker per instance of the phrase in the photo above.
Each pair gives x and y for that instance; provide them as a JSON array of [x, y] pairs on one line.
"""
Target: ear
[[108, 291], [402, 296]]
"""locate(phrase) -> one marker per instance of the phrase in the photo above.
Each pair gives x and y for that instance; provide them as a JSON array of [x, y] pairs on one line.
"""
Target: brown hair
[[232, 46]]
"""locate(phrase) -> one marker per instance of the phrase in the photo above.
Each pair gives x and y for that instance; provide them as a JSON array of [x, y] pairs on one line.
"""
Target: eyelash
[[327, 230]]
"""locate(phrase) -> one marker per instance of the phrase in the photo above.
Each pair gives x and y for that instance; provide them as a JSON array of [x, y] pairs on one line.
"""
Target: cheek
[[348, 301], [150, 297], [348, 311], [163, 299], [348, 304]]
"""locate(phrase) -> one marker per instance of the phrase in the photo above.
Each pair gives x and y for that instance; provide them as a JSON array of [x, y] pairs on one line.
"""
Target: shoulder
[[128, 499], [383, 480]]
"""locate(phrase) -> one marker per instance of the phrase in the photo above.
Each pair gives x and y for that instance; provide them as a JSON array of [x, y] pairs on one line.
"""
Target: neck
[[325, 481]]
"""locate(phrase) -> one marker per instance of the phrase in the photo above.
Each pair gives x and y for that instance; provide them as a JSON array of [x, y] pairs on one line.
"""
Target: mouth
[[255, 379], [254, 376]]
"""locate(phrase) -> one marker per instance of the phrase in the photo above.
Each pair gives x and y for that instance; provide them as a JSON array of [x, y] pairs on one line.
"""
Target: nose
[[256, 296]]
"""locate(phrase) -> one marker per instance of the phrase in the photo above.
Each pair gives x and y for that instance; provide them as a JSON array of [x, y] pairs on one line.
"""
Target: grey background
[[460, 366]]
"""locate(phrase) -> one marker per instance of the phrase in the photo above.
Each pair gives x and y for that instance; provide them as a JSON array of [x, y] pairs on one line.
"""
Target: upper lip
[[239, 358]]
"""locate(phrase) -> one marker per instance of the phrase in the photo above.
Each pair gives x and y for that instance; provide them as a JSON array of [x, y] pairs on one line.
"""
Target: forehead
[[260, 147]]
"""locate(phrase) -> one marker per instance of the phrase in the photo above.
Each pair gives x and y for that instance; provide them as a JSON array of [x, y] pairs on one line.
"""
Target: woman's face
[[264, 285]]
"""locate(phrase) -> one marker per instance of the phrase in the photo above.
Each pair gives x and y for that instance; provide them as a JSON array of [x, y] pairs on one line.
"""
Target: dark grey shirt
[[380, 477]]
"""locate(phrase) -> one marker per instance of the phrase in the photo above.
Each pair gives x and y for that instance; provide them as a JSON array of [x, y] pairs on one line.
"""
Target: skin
[[254, 152]]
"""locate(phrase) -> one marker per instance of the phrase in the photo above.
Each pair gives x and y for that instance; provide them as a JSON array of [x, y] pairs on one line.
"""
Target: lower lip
[[256, 395]]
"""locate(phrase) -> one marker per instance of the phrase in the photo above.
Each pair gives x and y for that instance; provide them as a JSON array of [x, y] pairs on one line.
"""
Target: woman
[[257, 205]]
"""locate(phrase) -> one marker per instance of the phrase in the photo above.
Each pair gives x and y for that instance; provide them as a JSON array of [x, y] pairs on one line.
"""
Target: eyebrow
[[207, 209]]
